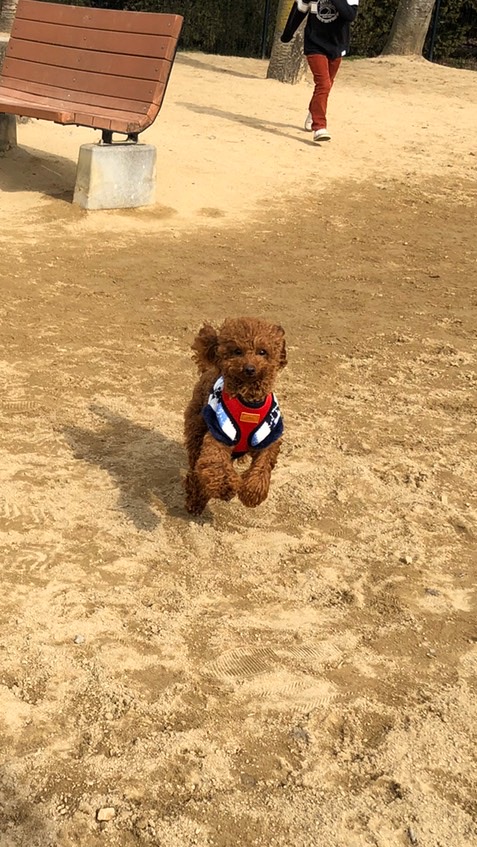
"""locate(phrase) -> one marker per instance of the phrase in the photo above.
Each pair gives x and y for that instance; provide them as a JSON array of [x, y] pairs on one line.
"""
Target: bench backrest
[[100, 57]]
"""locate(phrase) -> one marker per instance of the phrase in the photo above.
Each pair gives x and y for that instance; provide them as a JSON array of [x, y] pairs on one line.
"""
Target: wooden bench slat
[[146, 23], [19, 87], [80, 80], [148, 46], [134, 67], [26, 110], [75, 113], [66, 105]]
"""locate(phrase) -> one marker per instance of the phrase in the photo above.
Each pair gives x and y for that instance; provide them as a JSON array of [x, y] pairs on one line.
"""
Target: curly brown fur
[[248, 353]]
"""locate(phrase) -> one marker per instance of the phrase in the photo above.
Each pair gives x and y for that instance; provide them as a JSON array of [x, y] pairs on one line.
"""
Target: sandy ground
[[299, 674]]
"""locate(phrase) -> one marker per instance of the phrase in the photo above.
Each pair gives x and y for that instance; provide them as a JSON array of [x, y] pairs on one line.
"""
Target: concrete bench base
[[115, 176], [8, 132]]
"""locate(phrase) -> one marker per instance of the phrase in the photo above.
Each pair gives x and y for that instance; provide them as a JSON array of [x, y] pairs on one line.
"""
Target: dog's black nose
[[249, 370]]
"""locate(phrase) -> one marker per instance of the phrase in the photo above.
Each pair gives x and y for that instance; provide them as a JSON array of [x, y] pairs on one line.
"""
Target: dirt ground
[[303, 673]]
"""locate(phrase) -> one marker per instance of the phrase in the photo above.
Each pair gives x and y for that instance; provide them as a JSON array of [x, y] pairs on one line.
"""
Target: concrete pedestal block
[[8, 132], [115, 176]]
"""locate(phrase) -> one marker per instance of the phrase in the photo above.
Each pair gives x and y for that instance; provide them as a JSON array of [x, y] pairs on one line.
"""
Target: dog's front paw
[[216, 485], [254, 489], [229, 487]]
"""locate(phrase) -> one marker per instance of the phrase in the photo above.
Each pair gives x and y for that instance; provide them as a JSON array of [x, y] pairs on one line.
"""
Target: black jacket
[[327, 28]]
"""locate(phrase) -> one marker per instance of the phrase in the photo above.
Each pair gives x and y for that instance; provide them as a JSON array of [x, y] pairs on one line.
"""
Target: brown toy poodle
[[234, 412]]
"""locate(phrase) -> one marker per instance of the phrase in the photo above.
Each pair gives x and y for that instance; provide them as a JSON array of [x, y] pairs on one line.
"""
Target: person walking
[[327, 35]]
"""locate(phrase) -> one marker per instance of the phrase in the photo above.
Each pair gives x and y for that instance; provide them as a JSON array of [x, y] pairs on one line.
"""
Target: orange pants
[[324, 71]]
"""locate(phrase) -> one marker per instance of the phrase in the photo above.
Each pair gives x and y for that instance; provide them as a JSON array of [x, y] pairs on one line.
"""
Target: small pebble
[[301, 734], [406, 560], [412, 835], [106, 814], [79, 639], [433, 592]]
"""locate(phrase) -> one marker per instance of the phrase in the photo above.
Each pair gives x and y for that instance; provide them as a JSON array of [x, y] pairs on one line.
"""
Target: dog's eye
[[236, 352], [262, 352]]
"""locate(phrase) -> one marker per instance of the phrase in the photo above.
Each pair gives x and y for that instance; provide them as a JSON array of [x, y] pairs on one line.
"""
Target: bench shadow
[[274, 127], [196, 63], [144, 464], [27, 168]]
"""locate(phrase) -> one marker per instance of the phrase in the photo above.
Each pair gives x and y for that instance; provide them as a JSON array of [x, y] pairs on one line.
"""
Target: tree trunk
[[287, 62], [409, 29], [7, 13]]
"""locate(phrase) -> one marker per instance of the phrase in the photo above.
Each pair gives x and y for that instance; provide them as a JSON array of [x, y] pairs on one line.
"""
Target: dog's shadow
[[145, 465]]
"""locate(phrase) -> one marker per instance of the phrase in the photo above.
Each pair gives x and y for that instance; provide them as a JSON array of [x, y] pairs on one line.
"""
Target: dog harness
[[243, 426]]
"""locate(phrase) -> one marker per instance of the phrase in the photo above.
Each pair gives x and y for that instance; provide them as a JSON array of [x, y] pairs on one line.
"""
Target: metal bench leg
[[107, 136], [8, 132]]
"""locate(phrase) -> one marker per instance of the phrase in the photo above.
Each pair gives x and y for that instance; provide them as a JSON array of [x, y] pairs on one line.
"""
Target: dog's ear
[[283, 361], [205, 347]]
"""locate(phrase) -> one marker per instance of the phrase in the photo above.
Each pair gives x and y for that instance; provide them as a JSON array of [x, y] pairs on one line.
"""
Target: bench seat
[[64, 110]]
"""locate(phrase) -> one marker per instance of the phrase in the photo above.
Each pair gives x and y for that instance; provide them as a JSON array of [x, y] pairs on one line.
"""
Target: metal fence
[[452, 35]]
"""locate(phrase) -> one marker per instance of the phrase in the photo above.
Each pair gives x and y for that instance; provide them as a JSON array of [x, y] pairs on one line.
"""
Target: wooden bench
[[98, 68]]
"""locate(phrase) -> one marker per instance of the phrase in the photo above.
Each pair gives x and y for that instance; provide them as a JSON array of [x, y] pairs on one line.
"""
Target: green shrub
[[457, 27], [372, 26]]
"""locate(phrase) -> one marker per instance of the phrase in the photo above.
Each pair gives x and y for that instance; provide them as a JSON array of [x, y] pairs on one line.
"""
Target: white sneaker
[[309, 122], [321, 135]]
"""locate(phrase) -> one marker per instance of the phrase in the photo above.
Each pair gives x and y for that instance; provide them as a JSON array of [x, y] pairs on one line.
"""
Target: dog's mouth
[[250, 389]]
